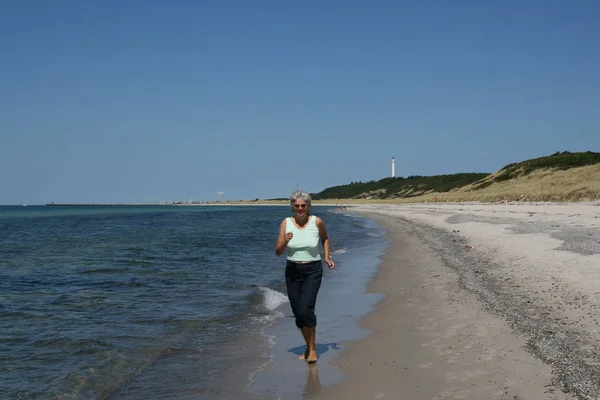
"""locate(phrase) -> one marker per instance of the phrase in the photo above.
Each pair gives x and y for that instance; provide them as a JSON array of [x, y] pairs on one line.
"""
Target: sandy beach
[[481, 302]]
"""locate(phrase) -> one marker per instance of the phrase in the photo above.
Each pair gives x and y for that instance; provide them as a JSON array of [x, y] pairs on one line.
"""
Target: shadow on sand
[[321, 348]]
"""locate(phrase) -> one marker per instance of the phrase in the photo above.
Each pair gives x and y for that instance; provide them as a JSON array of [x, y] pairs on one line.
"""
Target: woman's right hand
[[288, 236]]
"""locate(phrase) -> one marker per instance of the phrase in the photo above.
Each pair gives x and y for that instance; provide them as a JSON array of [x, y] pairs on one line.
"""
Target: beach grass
[[575, 184], [562, 176], [559, 182]]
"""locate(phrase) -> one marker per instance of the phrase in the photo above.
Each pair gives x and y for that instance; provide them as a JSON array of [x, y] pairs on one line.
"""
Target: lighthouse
[[393, 167]]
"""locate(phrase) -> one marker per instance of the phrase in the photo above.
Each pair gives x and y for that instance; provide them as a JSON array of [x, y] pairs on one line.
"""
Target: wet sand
[[481, 302], [341, 303]]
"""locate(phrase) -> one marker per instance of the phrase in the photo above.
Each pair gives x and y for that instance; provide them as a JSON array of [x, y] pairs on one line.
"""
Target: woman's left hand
[[330, 262]]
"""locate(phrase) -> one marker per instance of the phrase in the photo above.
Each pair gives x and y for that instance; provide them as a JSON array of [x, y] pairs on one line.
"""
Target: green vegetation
[[482, 183], [558, 161], [399, 187]]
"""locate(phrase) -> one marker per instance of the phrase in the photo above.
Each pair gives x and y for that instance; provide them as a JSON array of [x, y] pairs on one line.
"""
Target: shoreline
[[448, 326], [343, 300], [339, 203], [214, 204]]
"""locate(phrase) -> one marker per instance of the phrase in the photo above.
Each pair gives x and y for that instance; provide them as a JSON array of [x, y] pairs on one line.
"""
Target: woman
[[300, 235]]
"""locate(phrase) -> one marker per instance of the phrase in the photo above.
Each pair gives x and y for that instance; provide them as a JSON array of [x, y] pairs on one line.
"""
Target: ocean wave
[[374, 234], [343, 250], [272, 298], [360, 224]]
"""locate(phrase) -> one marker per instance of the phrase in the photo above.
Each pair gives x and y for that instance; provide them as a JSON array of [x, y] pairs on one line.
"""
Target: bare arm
[[325, 241], [282, 239]]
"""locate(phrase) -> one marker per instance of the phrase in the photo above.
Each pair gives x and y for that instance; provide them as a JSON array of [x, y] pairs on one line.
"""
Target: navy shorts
[[303, 282]]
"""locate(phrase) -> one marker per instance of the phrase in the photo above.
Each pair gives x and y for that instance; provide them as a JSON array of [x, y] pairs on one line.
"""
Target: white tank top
[[304, 245]]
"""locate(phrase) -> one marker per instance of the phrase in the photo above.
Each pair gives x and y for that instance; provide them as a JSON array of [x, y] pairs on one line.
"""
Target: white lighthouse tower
[[393, 167]]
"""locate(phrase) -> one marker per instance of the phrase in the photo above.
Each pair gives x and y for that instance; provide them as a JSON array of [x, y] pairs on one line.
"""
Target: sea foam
[[272, 298], [343, 250]]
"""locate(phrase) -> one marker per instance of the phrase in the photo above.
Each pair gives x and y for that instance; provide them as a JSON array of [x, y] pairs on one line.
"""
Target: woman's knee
[[306, 315]]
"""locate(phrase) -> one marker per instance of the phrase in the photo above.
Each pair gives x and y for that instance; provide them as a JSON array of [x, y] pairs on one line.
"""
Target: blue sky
[[106, 101]]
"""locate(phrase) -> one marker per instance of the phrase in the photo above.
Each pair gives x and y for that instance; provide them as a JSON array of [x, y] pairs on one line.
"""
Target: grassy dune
[[576, 184], [561, 177]]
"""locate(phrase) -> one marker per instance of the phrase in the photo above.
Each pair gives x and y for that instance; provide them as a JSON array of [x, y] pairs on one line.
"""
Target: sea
[[168, 302]]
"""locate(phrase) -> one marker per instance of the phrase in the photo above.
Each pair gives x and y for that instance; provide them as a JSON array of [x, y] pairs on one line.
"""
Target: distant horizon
[[192, 201], [105, 101]]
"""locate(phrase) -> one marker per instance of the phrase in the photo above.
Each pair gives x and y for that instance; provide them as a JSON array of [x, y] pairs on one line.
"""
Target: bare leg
[[310, 335], [306, 339]]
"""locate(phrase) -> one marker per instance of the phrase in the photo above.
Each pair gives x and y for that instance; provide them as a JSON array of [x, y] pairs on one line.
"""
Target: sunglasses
[[300, 205]]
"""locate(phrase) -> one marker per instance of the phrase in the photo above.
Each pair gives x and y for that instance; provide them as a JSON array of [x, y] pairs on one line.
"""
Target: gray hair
[[300, 195]]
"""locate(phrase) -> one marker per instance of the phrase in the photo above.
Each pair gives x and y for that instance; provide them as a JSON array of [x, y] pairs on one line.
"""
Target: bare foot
[[304, 356], [312, 357]]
